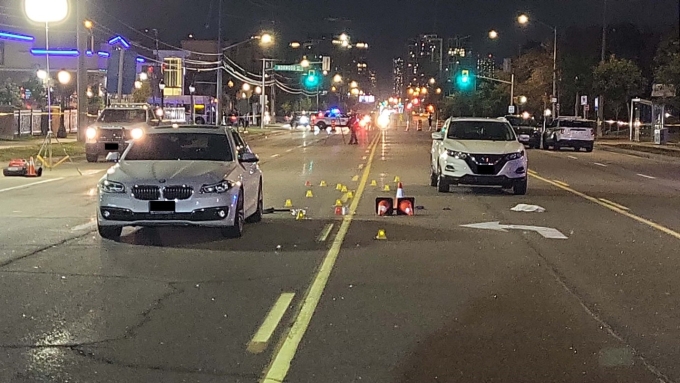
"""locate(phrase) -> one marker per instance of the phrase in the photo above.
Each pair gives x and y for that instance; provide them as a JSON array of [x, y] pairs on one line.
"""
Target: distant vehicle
[[301, 120], [115, 126], [527, 129], [478, 151], [570, 132], [205, 108], [182, 176], [326, 119]]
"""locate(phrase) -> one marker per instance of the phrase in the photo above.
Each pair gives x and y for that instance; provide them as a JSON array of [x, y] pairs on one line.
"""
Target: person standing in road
[[429, 121], [353, 125]]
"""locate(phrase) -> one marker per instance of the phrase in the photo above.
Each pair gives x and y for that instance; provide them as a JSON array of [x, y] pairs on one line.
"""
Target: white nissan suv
[[480, 152]]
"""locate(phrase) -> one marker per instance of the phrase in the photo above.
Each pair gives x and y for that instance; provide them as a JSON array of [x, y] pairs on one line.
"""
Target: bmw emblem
[[162, 181]]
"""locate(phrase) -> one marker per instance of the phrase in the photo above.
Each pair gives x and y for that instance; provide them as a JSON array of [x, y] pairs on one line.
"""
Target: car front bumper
[[105, 147], [457, 171], [209, 210]]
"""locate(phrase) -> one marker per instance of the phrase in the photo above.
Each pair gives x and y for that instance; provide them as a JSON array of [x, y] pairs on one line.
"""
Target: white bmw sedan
[[182, 176]]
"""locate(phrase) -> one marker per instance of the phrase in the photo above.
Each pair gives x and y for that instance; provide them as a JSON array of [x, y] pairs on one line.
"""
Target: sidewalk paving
[[641, 149]]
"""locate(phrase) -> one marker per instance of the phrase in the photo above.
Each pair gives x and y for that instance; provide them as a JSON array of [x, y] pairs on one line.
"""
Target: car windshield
[[481, 130], [181, 146], [123, 115]]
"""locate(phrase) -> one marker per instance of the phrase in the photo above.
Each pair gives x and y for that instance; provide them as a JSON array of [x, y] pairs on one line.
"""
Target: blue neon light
[[54, 52], [140, 60], [103, 54], [88, 53], [121, 40], [15, 36]]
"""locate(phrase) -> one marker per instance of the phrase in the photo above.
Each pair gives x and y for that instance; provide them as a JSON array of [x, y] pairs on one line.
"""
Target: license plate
[[486, 169], [161, 206], [110, 146]]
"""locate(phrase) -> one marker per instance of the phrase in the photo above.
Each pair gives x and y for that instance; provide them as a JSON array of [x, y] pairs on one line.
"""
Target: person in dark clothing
[[429, 121], [353, 125]]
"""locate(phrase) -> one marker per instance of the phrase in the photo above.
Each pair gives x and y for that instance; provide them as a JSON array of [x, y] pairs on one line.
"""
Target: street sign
[[584, 100], [289, 68], [511, 109], [326, 63], [597, 103], [553, 100], [586, 107], [545, 232]]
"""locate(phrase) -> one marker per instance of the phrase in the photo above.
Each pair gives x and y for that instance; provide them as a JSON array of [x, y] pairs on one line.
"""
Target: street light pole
[[220, 59], [263, 96], [554, 79], [161, 87], [192, 90]]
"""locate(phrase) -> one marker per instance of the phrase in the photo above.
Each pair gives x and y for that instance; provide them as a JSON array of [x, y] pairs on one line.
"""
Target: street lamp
[[245, 87], [41, 74], [258, 90], [295, 45], [192, 90], [47, 11], [432, 81], [353, 84], [64, 77], [266, 39], [337, 78], [138, 84], [161, 86], [523, 99], [523, 19], [439, 90], [493, 34], [423, 90], [304, 63], [344, 37], [143, 76]]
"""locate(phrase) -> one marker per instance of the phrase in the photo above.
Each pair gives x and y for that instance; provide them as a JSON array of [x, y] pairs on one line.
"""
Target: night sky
[[384, 24]]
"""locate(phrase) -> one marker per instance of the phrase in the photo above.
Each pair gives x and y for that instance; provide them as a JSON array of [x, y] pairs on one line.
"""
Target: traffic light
[[312, 80], [465, 81]]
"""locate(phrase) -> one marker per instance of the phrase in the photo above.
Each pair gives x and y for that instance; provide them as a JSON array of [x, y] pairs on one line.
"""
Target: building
[[398, 76], [486, 66], [424, 60]]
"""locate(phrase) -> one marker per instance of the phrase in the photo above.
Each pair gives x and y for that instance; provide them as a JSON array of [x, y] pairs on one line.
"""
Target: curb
[[635, 153]]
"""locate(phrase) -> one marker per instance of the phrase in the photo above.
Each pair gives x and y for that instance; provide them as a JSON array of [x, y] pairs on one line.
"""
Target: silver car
[[182, 176]]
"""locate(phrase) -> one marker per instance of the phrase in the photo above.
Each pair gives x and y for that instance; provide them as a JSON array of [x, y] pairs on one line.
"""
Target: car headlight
[[112, 187], [136, 133], [457, 155], [514, 156], [304, 120], [220, 187], [91, 133]]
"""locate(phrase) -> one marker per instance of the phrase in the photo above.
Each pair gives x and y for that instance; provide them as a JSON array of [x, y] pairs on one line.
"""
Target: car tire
[[257, 216], [236, 231], [520, 187], [110, 232], [91, 157], [321, 125], [545, 145], [443, 185], [434, 179], [589, 149]]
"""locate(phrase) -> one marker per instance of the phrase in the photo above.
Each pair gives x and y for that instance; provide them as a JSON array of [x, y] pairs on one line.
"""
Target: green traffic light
[[311, 80], [464, 81]]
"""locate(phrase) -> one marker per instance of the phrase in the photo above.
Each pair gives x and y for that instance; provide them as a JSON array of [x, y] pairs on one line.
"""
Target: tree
[[533, 78], [618, 80], [667, 60], [287, 107], [10, 94], [36, 88], [142, 94]]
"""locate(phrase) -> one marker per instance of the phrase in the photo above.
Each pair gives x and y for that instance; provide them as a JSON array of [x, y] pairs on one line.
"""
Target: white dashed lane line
[[646, 176], [599, 164]]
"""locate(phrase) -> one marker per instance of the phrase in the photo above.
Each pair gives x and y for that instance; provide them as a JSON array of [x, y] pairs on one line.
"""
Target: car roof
[[479, 119], [176, 128]]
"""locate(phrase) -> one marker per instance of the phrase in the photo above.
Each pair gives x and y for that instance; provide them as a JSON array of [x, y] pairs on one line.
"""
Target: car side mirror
[[248, 157], [437, 136], [113, 157]]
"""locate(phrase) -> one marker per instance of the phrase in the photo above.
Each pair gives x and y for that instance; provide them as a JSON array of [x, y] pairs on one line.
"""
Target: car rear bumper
[[572, 143]]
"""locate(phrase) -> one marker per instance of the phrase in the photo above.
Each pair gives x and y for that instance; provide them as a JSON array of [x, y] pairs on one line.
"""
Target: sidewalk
[[31, 142], [640, 149]]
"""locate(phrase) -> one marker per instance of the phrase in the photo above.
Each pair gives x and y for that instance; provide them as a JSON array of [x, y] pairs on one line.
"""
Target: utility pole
[[600, 99], [218, 92], [263, 95], [81, 76]]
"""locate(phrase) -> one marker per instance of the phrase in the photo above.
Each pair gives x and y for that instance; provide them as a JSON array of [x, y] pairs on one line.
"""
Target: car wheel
[[589, 149], [236, 231], [110, 232], [545, 145], [556, 147], [434, 179], [443, 185], [91, 157], [257, 216], [321, 125], [520, 187]]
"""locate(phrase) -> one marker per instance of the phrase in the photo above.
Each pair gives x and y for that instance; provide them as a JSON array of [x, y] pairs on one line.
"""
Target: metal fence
[[28, 122]]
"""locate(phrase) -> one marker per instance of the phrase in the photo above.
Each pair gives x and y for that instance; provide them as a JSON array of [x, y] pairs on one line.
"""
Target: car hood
[[173, 172], [483, 147], [113, 125]]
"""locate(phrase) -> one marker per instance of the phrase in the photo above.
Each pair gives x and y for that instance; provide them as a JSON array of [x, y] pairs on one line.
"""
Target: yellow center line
[[621, 211], [614, 204], [271, 321], [280, 364], [559, 182]]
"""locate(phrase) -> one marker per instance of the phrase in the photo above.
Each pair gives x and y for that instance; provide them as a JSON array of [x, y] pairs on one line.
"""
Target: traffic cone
[[344, 189], [396, 179], [350, 194], [386, 188], [405, 206], [384, 206], [400, 190], [30, 171], [374, 183], [308, 184], [338, 187], [338, 203], [301, 214], [288, 203], [323, 184], [339, 210], [355, 178], [309, 194], [381, 234]]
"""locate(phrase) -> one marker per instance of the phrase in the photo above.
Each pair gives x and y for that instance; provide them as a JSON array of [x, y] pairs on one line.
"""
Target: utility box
[[661, 136]]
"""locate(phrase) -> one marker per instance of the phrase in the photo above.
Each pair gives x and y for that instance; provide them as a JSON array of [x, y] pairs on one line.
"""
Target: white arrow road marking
[[546, 232]]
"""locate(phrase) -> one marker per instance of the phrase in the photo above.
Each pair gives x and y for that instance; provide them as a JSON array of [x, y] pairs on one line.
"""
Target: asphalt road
[[321, 300]]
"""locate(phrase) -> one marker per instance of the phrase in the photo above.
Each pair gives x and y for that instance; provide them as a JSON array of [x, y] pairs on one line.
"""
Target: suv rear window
[[576, 124]]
